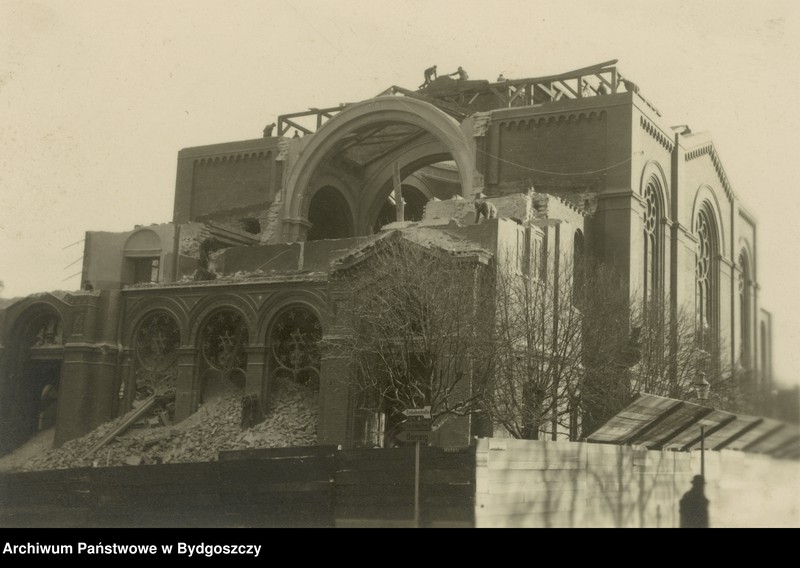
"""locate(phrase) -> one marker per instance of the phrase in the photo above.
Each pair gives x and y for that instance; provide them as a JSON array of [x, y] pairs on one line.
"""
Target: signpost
[[416, 428], [424, 412], [418, 437], [417, 425]]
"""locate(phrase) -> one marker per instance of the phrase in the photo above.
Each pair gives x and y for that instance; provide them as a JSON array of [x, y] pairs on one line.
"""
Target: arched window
[[707, 279], [294, 347], [224, 338], [653, 243], [156, 357], [745, 310], [142, 258]]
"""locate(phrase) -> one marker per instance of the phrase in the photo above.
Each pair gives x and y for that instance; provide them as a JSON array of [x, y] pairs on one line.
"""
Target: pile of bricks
[[291, 421]]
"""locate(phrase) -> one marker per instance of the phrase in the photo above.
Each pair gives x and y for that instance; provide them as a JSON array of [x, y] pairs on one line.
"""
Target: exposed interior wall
[[529, 483], [220, 177], [109, 257], [102, 259]]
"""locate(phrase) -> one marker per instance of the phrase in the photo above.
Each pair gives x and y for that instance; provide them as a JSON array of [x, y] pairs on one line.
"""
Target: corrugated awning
[[662, 423]]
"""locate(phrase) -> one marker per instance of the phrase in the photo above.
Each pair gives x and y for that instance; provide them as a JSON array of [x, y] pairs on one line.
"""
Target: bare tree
[[554, 352], [416, 331], [557, 334]]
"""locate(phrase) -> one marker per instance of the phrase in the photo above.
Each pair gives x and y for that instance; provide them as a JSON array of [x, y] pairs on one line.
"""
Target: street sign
[[415, 424], [421, 437], [424, 412]]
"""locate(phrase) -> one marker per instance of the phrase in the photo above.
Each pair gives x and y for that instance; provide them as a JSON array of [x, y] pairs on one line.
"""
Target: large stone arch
[[379, 186], [387, 109], [419, 183]]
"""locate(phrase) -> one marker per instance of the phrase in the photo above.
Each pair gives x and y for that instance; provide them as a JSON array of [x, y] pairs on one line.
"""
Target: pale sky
[[98, 96]]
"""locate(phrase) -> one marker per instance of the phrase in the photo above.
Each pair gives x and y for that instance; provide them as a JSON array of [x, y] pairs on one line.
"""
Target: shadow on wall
[[527, 483]]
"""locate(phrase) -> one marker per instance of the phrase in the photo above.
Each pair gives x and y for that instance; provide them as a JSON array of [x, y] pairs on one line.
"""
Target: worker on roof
[[461, 74], [429, 72]]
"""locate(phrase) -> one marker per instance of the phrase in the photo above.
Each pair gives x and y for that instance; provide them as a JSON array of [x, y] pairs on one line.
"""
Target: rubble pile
[[216, 426]]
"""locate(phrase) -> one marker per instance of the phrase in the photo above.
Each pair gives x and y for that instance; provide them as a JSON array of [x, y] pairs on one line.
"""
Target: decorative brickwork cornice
[[656, 133], [708, 149], [583, 203], [234, 158], [554, 119]]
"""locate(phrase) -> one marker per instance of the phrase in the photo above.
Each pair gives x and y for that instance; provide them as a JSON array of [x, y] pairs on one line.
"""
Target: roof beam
[[711, 430], [393, 147], [451, 109], [790, 454], [674, 434], [780, 448], [653, 423], [362, 137], [763, 437], [738, 434]]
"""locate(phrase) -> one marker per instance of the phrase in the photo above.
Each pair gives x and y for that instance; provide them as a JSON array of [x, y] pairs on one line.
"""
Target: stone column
[[187, 387], [295, 230], [334, 400], [256, 382]]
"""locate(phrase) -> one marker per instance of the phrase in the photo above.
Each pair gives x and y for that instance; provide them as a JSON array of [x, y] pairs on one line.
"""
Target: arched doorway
[[329, 216], [31, 392]]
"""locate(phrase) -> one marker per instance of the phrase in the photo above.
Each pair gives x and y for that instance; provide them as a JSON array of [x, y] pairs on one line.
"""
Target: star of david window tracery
[[224, 339], [156, 344], [294, 347]]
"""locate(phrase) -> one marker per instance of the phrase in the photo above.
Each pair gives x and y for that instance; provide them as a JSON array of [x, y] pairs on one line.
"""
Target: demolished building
[[236, 289]]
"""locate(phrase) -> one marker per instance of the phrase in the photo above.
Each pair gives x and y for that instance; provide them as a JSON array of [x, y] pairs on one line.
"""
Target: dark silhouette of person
[[694, 506], [207, 246], [462, 74], [268, 129], [429, 72], [630, 86], [486, 209]]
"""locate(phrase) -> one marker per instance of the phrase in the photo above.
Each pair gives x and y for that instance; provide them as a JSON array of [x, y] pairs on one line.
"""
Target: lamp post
[[702, 387]]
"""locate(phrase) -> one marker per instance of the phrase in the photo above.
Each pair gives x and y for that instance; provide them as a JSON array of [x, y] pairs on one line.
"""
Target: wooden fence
[[314, 486]]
